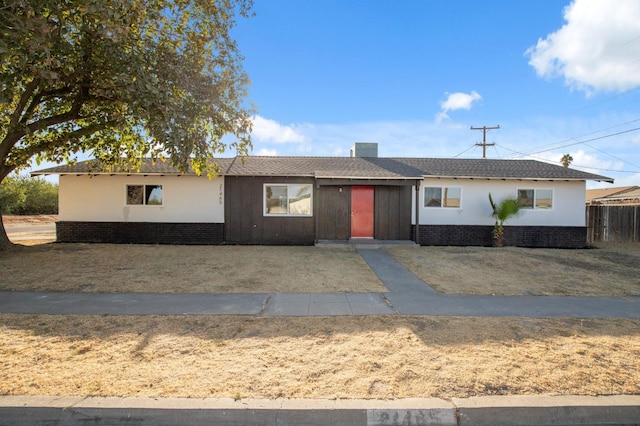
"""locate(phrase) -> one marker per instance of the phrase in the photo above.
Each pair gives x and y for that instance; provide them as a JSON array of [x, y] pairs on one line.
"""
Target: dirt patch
[[185, 269], [354, 357], [33, 219], [609, 270], [30, 230]]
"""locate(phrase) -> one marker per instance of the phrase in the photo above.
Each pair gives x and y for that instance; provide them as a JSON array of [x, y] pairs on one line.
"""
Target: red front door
[[362, 212]]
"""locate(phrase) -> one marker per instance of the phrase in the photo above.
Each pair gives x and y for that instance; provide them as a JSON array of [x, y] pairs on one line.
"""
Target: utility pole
[[484, 143]]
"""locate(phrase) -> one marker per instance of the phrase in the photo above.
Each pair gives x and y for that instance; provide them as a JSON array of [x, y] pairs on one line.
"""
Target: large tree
[[121, 79]]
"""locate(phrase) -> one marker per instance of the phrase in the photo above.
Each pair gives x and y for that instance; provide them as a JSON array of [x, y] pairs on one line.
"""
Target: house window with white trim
[[144, 195], [535, 199], [288, 199], [446, 196]]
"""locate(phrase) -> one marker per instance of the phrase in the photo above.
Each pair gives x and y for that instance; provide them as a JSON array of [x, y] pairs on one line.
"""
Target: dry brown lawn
[[382, 357], [344, 357], [185, 269], [608, 270]]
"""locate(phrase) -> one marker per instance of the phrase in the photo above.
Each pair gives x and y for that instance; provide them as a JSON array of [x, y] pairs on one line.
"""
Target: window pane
[[276, 199], [525, 196], [544, 198], [153, 195], [300, 199], [433, 197], [134, 194], [452, 197]]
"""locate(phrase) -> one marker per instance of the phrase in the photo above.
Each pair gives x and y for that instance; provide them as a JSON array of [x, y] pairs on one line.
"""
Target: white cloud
[[629, 180], [586, 162], [395, 138], [272, 131], [265, 152], [597, 49], [456, 101]]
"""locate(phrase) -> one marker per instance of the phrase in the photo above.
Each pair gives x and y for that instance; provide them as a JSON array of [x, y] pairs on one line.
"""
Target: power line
[[472, 146], [612, 156], [553, 145], [574, 165], [588, 140]]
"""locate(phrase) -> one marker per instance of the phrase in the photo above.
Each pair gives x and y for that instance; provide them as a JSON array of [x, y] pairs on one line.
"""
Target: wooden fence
[[613, 224]]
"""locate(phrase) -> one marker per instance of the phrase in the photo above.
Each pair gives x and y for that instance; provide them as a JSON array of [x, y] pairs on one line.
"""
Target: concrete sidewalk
[[407, 295], [478, 411]]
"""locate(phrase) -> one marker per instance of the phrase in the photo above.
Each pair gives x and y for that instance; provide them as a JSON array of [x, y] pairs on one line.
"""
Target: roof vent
[[364, 149]]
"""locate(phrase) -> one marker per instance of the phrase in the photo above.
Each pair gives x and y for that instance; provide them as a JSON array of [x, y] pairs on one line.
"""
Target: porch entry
[[362, 208]]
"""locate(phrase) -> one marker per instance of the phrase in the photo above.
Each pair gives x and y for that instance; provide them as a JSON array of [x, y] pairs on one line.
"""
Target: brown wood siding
[[393, 212], [334, 212], [245, 222]]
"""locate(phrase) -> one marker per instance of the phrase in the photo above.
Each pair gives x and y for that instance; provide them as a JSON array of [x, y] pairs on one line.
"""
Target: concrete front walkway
[[407, 295]]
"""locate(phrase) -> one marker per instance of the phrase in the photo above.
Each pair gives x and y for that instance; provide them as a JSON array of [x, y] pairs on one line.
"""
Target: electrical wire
[[588, 140], [545, 160], [613, 156], [553, 145], [472, 146]]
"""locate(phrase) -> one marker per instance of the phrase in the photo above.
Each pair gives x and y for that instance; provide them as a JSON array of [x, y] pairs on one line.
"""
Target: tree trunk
[[497, 236], [5, 244]]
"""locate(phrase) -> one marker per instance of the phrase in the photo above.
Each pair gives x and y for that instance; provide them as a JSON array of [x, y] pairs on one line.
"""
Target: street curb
[[549, 410], [502, 410]]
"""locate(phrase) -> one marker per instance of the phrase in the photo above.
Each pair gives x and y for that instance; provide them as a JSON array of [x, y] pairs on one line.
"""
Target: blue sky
[[557, 76]]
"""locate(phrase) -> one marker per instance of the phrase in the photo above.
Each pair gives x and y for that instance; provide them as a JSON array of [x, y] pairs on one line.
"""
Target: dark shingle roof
[[323, 167], [357, 168], [500, 169], [148, 166]]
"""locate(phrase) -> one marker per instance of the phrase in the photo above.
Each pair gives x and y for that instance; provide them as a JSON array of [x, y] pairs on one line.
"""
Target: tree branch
[[48, 145], [17, 113], [18, 132], [42, 96]]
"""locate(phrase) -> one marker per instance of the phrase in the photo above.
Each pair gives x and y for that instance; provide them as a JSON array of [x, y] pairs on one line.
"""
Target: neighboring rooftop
[[617, 195], [353, 167]]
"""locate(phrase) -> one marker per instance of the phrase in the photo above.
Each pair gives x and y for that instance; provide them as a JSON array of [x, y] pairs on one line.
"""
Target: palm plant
[[506, 209], [566, 160]]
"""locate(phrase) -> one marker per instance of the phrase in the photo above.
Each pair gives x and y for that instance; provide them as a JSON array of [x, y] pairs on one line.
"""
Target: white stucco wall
[[102, 198], [568, 203]]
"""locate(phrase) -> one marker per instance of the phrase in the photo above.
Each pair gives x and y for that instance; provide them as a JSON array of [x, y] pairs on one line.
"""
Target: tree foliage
[[121, 78], [24, 195]]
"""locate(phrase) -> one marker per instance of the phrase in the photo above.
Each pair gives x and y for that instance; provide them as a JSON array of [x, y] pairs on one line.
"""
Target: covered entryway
[[379, 210], [362, 218]]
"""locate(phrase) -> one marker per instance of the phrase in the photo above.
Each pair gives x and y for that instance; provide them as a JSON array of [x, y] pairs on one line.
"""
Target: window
[[536, 199], [149, 195], [448, 196], [287, 200]]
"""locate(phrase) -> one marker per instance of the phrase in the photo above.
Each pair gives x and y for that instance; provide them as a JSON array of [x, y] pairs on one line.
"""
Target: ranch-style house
[[306, 200]]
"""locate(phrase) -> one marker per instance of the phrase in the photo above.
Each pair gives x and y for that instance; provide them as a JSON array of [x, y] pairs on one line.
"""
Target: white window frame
[[535, 198], [144, 195], [442, 197], [287, 213]]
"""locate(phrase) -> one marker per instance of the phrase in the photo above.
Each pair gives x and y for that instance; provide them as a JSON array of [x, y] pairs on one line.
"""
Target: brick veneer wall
[[521, 236], [140, 232]]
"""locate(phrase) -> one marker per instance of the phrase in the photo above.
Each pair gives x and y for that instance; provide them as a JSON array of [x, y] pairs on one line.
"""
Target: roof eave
[[603, 179], [370, 177]]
